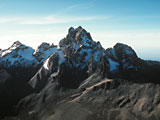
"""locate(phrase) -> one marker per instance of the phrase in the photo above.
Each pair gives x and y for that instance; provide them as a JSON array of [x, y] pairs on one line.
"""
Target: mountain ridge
[[80, 67]]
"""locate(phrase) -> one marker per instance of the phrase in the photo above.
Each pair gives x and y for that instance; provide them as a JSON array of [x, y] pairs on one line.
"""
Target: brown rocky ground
[[105, 100]]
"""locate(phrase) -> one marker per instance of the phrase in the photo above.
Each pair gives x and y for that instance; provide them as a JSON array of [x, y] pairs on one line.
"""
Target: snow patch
[[45, 65], [60, 60]]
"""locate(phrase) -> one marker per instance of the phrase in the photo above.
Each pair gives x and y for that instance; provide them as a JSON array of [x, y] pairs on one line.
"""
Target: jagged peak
[[123, 48], [46, 46], [122, 54], [81, 33], [76, 36], [121, 45], [70, 30], [80, 29], [73, 32], [99, 45], [16, 44], [44, 51]]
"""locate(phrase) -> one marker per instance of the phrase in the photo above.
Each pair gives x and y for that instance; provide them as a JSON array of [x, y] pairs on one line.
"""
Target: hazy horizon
[[135, 23]]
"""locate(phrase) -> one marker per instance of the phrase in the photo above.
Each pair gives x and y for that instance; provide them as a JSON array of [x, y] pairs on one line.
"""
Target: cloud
[[32, 37], [78, 6], [49, 19], [136, 39], [128, 34], [83, 6]]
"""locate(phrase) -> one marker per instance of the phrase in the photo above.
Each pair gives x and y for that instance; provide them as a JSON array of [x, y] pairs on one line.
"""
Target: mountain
[[80, 80], [21, 55], [18, 64], [44, 51], [77, 52], [81, 57], [18, 55]]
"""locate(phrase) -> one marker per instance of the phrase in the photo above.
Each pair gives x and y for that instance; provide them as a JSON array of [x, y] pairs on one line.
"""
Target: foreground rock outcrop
[[106, 100], [80, 80]]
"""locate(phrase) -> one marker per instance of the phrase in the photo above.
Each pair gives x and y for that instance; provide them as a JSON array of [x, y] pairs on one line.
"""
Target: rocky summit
[[78, 80]]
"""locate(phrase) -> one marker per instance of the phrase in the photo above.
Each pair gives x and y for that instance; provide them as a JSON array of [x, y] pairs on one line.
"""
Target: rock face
[[44, 51], [80, 80], [79, 47], [77, 58], [122, 57], [124, 63], [83, 55]]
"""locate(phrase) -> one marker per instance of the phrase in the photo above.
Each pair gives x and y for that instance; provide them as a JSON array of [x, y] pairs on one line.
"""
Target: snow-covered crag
[[80, 48], [77, 58], [18, 55], [18, 64], [44, 51], [21, 55], [122, 57]]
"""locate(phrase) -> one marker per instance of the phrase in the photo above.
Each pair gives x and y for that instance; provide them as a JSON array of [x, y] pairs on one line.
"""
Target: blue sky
[[133, 22]]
